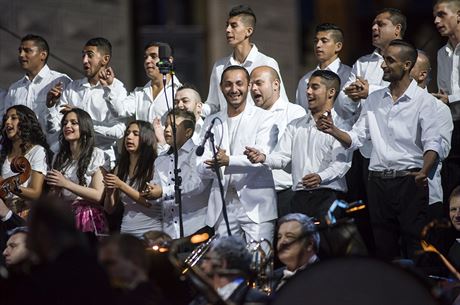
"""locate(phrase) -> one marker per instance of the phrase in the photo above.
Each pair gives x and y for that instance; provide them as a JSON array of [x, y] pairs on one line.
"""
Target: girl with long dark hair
[[76, 176], [23, 136], [130, 177]]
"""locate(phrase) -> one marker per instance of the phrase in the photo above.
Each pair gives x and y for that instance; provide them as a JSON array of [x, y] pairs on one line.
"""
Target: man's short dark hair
[[188, 117], [336, 32], [167, 47], [234, 68], [23, 229], [329, 78], [454, 4], [247, 15], [103, 45], [308, 229], [40, 42], [408, 51], [396, 17]]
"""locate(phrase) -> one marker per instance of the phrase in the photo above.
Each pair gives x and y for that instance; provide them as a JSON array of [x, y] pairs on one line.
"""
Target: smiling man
[[319, 162], [405, 136], [249, 189], [241, 24]]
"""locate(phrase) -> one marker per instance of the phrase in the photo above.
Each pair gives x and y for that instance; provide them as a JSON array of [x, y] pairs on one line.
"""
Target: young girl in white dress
[[76, 176], [130, 177], [23, 136]]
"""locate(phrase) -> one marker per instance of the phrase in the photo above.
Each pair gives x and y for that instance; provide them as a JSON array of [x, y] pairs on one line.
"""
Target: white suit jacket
[[252, 182]]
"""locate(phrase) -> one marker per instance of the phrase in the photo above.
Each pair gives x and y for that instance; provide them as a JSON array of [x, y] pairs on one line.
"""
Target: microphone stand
[[219, 180], [177, 179]]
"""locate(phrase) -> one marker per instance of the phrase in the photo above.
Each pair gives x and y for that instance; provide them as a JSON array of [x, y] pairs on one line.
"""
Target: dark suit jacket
[[454, 255]]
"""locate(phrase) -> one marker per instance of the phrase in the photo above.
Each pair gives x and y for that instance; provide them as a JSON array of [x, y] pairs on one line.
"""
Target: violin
[[18, 165]]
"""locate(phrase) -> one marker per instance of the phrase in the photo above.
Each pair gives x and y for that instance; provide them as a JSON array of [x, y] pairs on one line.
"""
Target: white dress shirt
[[216, 100], [368, 67], [80, 93], [141, 104], [401, 131], [312, 151], [449, 76], [284, 112], [195, 191], [446, 125], [32, 93], [342, 70]]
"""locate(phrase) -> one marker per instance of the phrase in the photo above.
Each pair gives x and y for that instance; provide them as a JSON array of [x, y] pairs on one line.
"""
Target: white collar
[[333, 66]]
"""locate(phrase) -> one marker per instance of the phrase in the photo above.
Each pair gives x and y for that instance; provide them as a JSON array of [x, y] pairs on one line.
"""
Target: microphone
[[200, 149], [164, 65]]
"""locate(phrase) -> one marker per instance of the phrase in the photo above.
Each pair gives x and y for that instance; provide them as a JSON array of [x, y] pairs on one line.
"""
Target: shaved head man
[[265, 86]]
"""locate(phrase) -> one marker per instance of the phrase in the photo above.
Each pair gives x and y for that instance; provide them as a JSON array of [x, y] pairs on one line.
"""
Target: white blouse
[[70, 172], [139, 219]]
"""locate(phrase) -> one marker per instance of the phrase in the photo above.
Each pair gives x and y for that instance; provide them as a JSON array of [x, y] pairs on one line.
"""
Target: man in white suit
[[249, 189]]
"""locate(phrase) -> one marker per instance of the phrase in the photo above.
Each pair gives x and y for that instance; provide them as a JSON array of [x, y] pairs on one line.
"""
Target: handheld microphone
[[164, 65], [200, 149]]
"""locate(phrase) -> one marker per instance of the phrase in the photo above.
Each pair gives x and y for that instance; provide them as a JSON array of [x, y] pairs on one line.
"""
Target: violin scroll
[[18, 165]]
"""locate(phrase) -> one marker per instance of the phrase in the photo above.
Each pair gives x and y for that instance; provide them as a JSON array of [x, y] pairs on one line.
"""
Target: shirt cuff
[[431, 146]]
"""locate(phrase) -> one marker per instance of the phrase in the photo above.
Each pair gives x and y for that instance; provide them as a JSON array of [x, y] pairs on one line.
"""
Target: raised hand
[[254, 155], [357, 90], [325, 123], [54, 94], [106, 77], [65, 108]]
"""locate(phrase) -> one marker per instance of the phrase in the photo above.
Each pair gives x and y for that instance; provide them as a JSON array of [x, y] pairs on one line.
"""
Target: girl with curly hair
[[131, 175], [23, 136], [76, 176]]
